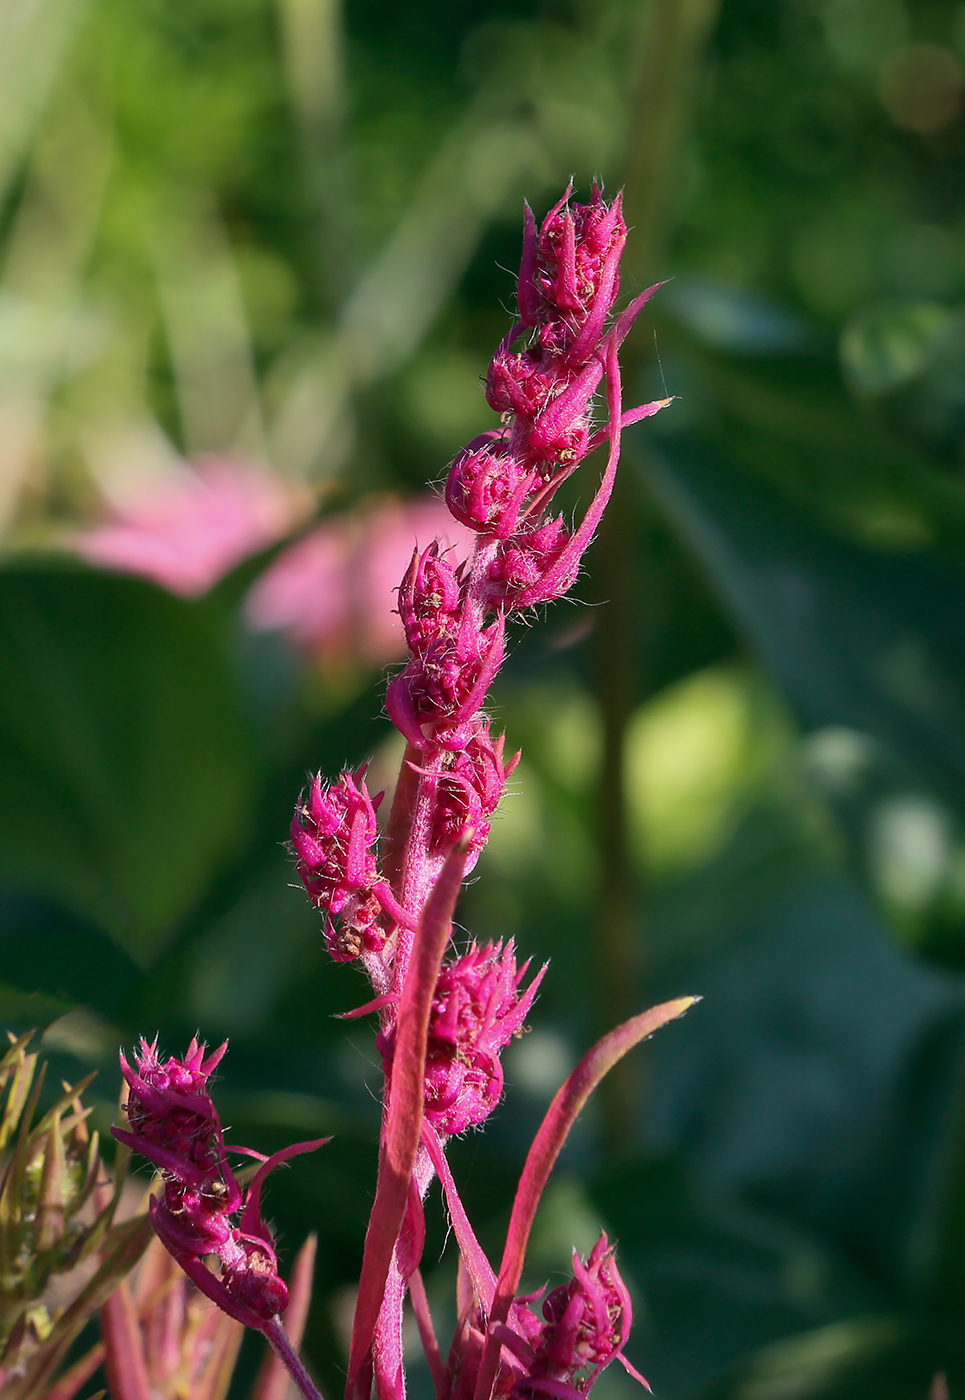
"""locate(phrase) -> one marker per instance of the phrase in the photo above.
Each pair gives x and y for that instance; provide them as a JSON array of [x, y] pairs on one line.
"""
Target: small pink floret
[[476, 1011], [333, 834]]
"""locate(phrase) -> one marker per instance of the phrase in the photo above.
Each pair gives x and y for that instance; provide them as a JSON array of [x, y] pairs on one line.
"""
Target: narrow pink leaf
[[124, 1359], [67, 1385], [273, 1380], [427, 1333], [403, 1118], [481, 1272], [251, 1223], [549, 1140]]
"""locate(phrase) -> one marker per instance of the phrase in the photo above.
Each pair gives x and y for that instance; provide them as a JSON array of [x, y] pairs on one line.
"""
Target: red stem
[[405, 1091], [427, 1332], [271, 1383], [275, 1332]]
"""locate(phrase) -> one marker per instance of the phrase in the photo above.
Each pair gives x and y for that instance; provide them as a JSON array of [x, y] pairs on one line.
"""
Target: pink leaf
[[547, 1144], [124, 1359], [480, 1270], [427, 1333]]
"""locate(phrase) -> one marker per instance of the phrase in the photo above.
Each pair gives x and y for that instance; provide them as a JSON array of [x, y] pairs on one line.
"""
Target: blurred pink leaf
[[334, 591], [187, 532]]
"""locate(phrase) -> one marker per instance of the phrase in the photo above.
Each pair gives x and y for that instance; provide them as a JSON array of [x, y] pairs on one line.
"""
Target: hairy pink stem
[[427, 1335], [271, 1383], [277, 1336], [402, 1127]]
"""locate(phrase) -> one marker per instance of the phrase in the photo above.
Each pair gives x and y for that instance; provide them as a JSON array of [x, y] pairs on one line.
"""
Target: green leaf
[[855, 638], [124, 773]]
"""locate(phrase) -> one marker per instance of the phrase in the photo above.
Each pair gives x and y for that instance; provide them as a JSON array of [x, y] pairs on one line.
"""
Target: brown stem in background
[[616, 946], [312, 45], [669, 48]]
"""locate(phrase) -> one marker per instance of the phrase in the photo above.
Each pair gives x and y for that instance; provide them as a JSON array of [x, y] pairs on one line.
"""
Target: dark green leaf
[[855, 638], [123, 766]]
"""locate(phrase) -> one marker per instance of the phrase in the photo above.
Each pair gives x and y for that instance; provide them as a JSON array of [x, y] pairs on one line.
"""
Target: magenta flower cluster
[[587, 1326], [388, 897], [174, 1123], [333, 835], [477, 1009]]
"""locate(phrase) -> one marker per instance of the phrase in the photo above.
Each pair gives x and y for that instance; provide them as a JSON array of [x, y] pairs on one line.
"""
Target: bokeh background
[[254, 255]]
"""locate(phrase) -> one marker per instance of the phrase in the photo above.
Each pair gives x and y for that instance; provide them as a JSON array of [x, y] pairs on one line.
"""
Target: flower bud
[[519, 383], [587, 1325], [577, 274], [527, 571], [333, 834], [469, 792], [476, 1011], [486, 488], [445, 684], [430, 599]]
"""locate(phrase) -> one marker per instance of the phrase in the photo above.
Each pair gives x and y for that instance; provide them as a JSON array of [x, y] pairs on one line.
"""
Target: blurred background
[[254, 256]]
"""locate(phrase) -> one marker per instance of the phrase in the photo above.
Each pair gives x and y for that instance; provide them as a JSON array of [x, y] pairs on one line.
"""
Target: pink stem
[[275, 1332], [402, 1128], [400, 818], [427, 1332], [271, 1383]]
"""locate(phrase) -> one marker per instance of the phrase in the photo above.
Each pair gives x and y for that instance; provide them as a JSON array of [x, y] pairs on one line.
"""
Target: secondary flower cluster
[[543, 381], [174, 1123], [333, 834], [585, 1325]]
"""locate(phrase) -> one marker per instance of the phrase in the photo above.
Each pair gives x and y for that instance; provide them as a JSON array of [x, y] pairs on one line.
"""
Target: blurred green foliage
[[280, 228]]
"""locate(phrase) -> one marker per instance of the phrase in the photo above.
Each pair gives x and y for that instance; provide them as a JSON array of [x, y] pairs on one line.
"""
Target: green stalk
[[669, 48]]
